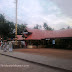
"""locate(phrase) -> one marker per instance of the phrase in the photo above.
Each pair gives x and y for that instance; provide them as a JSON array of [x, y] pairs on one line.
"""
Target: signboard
[[25, 32], [47, 39]]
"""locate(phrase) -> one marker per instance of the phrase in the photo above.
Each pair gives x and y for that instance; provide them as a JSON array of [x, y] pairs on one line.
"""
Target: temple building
[[36, 38]]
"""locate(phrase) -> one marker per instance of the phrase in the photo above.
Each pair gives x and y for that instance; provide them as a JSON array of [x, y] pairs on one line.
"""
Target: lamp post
[[16, 25]]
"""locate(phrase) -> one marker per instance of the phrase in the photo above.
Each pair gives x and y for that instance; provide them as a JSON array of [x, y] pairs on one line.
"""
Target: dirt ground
[[67, 54]]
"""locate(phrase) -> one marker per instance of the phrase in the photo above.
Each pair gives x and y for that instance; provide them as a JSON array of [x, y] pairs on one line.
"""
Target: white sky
[[56, 13]]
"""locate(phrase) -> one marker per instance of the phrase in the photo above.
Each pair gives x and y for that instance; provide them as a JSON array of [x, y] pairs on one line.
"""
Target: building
[[36, 38]]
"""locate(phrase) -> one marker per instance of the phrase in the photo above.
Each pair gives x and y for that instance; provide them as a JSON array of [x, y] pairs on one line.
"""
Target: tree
[[46, 27], [62, 29], [68, 27], [21, 28], [37, 26], [6, 27], [2, 19]]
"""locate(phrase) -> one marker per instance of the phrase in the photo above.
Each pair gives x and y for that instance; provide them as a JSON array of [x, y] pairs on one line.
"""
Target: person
[[23, 44], [53, 42], [4, 46], [7, 45], [10, 46], [0, 45]]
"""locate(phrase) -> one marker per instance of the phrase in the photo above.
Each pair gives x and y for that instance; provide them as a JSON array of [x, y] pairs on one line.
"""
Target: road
[[59, 53], [6, 62]]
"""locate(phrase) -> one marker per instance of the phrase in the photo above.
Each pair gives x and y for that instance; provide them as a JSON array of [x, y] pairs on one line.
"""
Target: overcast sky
[[56, 13]]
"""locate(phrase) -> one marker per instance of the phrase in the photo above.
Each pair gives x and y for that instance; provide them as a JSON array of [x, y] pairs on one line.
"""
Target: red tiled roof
[[36, 34], [59, 34], [19, 37], [42, 34]]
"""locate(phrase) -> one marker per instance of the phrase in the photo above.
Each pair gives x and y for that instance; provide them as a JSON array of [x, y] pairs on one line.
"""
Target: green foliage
[[46, 27], [66, 28], [21, 28], [6, 27], [37, 26]]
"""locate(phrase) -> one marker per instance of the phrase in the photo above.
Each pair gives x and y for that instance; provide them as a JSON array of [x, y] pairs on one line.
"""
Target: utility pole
[[16, 25]]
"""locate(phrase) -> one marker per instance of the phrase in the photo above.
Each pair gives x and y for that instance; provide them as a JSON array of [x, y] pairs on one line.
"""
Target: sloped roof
[[62, 33], [36, 34], [19, 37], [42, 34]]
